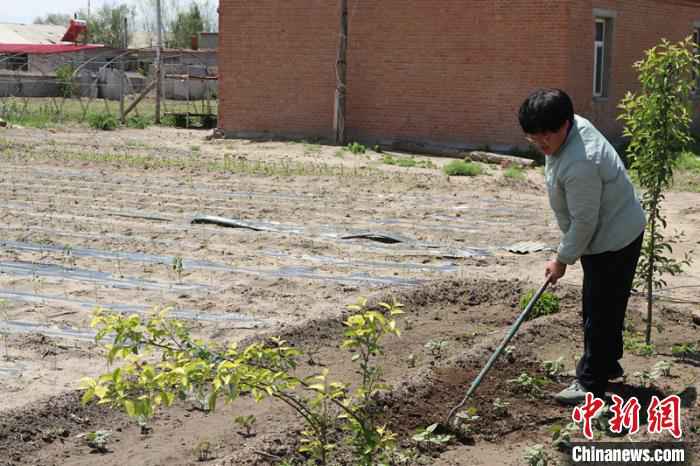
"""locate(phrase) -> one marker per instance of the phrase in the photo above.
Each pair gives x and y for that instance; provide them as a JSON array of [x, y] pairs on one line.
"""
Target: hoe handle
[[498, 351]]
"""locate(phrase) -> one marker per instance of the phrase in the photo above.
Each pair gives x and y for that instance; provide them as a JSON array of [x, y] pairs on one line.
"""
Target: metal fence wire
[[66, 89]]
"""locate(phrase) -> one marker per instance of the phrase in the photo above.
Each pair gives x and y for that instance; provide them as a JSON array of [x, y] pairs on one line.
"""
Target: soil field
[[250, 239]]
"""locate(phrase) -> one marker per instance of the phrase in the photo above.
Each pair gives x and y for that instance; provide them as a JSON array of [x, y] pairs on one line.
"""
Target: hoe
[[498, 352]]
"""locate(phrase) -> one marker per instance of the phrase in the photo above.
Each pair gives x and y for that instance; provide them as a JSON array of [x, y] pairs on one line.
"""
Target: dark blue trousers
[[607, 281]]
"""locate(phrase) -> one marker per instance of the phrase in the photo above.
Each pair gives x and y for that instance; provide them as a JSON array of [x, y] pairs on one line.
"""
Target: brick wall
[[637, 26], [449, 72], [276, 66]]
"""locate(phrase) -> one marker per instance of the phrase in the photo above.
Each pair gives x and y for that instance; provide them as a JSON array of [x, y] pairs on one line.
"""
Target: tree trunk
[[341, 73], [650, 265]]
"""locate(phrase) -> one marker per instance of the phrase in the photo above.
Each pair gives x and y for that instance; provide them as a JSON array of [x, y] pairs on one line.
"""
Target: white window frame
[[696, 39], [599, 67], [607, 17]]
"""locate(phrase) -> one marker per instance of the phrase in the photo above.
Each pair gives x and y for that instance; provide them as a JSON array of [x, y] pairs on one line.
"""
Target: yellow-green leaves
[[158, 361], [88, 385], [130, 408]]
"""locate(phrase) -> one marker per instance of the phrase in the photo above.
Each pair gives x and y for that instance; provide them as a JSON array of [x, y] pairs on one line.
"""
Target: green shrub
[[103, 121], [138, 122], [515, 173], [356, 148], [462, 168], [547, 304]]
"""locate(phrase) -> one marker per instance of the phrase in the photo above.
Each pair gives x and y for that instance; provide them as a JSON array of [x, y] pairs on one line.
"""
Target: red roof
[[45, 48], [76, 31]]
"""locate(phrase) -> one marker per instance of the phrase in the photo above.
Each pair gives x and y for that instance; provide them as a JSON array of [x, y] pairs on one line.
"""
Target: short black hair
[[546, 110]]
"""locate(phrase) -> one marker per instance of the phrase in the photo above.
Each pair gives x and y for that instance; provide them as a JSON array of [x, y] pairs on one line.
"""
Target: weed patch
[[138, 122], [547, 304], [406, 162], [462, 168], [514, 173], [356, 148], [635, 342], [103, 121]]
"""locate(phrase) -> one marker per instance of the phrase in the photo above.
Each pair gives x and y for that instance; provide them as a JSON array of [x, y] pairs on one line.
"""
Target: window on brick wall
[[601, 57]]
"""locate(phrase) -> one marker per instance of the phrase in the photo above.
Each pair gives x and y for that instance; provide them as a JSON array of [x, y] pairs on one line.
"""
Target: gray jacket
[[592, 197]]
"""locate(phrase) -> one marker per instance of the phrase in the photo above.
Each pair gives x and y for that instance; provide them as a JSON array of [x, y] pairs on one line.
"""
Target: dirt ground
[[100, 218]]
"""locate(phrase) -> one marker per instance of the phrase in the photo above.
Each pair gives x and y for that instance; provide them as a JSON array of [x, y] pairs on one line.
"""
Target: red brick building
[[445, 72]]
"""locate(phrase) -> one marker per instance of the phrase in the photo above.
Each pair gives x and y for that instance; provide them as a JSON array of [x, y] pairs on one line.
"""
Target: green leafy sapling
[[177, 267], [199, 395], [68, 257], [528, 384], [407, 457], [554, 368], [663, 368], [509, 353], [364, 333], [142, 422], [411, 360], [500, 407], [427, 439], [536, 455], [247, 423], [98, 440], [466, 420], [657, 122], [141, 383], [561, 435], [437, 348], [685, 351], [635, 343], [202, 450], [646, 378]]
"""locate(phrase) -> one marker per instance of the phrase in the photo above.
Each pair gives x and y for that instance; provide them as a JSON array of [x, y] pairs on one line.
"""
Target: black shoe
[[617, 374]]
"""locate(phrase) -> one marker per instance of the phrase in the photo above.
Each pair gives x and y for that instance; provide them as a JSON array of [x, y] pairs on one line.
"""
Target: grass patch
[[688, 161], [103, 121], [138, 122], [462, 168], [515, 173], [43, 112], [406, 162], [686, 175], [310, 148], [17, 151]]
